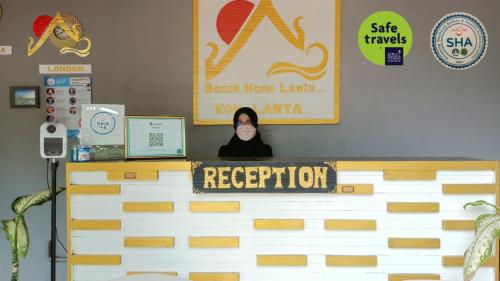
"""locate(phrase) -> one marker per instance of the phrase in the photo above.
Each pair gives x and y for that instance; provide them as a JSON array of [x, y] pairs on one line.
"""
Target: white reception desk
[[388, 220]]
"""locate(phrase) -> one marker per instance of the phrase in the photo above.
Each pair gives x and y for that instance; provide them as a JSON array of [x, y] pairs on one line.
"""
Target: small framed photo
[[26, 96], [155, 137]]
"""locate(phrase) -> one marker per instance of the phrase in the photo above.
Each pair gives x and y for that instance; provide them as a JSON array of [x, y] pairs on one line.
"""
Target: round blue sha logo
[[102, 123], [459, 41]]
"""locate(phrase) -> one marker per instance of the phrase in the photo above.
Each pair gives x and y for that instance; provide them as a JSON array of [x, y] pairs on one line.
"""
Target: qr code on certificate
[[155, 139]]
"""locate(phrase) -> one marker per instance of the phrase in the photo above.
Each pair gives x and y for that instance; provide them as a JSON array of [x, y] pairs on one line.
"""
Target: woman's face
[[244, 120]]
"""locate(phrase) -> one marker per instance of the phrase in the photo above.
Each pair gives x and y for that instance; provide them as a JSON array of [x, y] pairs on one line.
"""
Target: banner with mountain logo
[[280, 57]]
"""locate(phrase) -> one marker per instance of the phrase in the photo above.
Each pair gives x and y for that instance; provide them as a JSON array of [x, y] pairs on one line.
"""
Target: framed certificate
[[154, 137]]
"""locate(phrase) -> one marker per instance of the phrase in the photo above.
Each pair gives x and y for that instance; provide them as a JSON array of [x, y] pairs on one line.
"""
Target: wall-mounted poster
[[279, 57], [63, 97]]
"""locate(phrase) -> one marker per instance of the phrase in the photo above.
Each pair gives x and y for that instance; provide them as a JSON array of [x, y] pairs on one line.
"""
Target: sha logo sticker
[[459, 41], [385, 38], [103, 123]]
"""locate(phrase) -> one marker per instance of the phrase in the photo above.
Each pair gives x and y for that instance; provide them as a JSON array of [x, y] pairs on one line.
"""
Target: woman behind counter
[[246, 140]]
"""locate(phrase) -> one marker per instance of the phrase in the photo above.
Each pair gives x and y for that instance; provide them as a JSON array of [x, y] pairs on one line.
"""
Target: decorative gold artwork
[[64, 31]]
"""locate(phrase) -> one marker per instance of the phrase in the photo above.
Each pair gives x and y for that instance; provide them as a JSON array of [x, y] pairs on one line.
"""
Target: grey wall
[[142, 57]]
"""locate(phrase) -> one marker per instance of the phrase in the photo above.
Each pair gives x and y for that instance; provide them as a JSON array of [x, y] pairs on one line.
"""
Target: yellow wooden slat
[[133, 175], [411, 175], [469, 188], [94, 189], [214, 276], [96, 259], [149, 242], [412, 207], [414, 243], [415, 164], [96, 224], [282, 260], [351, 165], [458, 225], [148, 207], [351, 260], [458, 261], [355, 189], [168, 165], [214, 206], [350, 224], [151, 272], [69, 217], [278, 224], [214, 242], [413, 276]]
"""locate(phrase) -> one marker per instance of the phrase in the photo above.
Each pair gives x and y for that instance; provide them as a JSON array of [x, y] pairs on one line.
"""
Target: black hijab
[[254, 147], [251, 114]]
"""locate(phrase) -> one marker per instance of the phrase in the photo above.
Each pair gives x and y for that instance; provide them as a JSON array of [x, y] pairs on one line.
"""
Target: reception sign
[[258, 176], [279, 57]]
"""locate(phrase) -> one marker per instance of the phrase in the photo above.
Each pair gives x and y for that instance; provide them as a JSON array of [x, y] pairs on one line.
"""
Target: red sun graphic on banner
[[231, 18], [40, 24]]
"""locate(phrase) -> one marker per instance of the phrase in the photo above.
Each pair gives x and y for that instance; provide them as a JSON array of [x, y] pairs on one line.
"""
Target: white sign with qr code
[[155, 137]]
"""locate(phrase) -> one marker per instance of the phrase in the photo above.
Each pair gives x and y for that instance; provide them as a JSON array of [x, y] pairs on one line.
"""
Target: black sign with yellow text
[[256, 176]]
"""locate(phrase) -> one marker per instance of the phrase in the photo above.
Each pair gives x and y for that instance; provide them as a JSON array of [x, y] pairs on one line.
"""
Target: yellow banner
[[279, 57]]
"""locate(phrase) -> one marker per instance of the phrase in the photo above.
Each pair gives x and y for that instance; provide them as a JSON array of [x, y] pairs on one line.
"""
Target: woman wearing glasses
[[246, 141]]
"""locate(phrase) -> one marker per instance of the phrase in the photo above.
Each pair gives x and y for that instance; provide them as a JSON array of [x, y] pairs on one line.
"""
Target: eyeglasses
[[240, 123]]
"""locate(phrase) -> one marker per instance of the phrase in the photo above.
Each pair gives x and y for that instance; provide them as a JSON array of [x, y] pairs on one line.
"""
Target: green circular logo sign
[[385, 38]]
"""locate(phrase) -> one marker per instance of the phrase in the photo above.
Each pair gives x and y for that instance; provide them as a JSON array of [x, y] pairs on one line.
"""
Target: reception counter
[[384, 220]]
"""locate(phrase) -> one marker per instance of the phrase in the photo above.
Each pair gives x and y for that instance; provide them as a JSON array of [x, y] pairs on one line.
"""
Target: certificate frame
[[140, 129]]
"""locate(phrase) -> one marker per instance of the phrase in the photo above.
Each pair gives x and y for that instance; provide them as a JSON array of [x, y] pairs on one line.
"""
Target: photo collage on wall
[[63, 97]]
